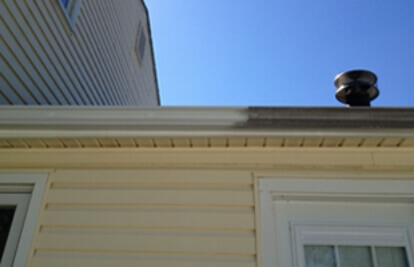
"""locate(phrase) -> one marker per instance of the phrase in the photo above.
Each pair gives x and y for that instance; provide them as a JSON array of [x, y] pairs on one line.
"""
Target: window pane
[[320, 256], [65, 2], [6, 218], [350, 256], [391, 257]]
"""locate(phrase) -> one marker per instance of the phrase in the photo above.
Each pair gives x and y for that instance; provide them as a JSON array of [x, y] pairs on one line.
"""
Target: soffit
[[206, 142]]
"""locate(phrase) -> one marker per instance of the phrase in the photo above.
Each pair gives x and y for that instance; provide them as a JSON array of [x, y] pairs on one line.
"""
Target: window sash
[[335, 235]]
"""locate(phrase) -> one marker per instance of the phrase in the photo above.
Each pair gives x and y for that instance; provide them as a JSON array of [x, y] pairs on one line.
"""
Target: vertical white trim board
[[20, 201]]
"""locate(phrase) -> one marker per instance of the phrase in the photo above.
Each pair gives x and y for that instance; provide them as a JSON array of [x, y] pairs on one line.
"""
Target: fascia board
[[112, 122], [114, 116]]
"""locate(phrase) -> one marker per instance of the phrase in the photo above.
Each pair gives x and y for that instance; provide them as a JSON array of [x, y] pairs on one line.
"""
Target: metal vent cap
[[356, 87]]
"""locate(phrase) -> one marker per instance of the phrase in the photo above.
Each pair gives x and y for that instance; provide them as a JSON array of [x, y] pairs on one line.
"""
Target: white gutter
[[112, 122], [115, 116]]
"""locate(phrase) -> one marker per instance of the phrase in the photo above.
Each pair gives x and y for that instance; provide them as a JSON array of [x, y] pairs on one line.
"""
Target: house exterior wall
[[150, 218], [47, 62], [173, 207]]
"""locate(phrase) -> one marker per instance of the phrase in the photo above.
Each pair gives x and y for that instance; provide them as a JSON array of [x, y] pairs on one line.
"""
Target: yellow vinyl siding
[[46, 63], [168, 206], [154, 217]]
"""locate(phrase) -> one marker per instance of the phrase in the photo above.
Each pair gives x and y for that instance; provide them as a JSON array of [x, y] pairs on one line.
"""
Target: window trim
[[271, 189], [20, 201], [71, 12], [36, 185]]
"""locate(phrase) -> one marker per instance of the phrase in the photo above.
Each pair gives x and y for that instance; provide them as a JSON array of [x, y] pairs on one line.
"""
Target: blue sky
[[280, 52]]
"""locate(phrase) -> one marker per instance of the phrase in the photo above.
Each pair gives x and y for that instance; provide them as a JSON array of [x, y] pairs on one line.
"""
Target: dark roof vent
[[356, 88]]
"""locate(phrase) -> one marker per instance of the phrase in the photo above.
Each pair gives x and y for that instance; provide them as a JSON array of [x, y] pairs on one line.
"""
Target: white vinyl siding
[[46, 63]]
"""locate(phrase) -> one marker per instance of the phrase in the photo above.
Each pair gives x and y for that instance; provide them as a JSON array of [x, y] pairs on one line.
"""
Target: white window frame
[[335, 235], [71, 12], [30, 188], [271, 189], [20, 202]]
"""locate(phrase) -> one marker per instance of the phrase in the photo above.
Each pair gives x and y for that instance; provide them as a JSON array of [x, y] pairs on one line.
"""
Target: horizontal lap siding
[[148, 218], [108, 260], [46, 63]]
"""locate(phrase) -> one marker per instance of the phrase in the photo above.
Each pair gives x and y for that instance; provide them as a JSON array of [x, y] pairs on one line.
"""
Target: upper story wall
[[47, 60]]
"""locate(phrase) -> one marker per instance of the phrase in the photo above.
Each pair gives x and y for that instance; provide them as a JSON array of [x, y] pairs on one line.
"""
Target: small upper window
[[65, 3], [140, 43], [71, 10]]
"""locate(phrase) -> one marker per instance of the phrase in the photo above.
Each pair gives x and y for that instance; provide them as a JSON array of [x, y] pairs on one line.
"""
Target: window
[[338, 223], [140, 43], [71, 10], [13, 209], [20, 200], [350, 245]]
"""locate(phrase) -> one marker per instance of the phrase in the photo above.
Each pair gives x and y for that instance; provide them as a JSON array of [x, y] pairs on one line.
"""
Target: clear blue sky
[[280, 52]]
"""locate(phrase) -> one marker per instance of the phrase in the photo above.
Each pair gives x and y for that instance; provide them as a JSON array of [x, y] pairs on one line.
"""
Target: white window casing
[[322, 232], [20, 201], [26, 192]]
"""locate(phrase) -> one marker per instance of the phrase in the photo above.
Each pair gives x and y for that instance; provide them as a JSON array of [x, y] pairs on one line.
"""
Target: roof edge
[[154, 69], [179, 121]]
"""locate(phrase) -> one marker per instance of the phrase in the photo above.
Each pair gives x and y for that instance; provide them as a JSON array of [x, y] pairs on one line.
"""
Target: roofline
[[154, 69], [68, 122]]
